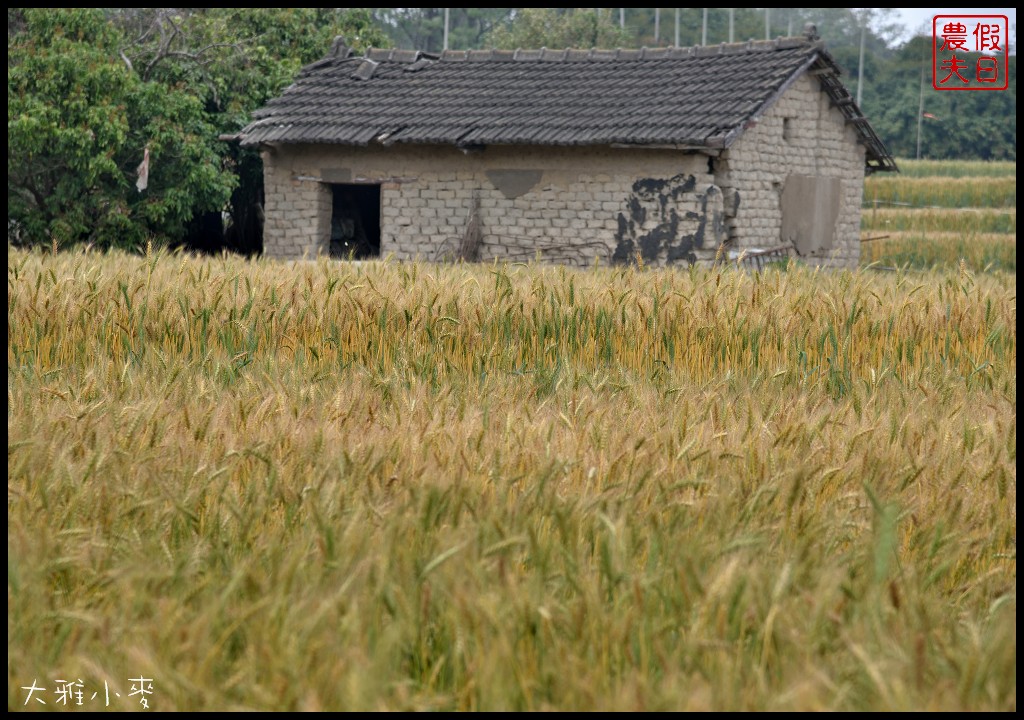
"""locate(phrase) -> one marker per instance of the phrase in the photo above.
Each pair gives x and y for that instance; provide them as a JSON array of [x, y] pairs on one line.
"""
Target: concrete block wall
[[820, 144], [297, 211], [578, 206], [562, 205]]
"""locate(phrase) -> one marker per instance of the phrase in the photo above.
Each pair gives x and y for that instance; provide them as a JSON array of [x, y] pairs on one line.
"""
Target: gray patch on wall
[[514, 183], [336, 175], [731, 198], [810, 208], [654, 225]]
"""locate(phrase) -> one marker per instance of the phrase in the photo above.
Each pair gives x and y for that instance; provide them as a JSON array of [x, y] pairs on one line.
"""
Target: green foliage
[[78, 122], [559, 28], [423, 28], [65, 121], [234, 60], [89, 90], [978, 125], [838, 27], [975, 125]]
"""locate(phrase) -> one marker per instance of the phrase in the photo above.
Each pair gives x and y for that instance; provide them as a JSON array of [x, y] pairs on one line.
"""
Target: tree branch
[[174, 33]]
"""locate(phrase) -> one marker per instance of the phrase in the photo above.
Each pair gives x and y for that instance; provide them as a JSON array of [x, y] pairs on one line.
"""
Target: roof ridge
[[498, 97], [545, 54]]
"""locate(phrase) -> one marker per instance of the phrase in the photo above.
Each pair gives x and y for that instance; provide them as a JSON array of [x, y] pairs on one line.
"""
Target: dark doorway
[[355, 221]]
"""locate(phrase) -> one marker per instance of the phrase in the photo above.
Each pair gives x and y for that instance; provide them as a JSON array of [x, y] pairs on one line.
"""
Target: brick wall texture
[[578, 205]]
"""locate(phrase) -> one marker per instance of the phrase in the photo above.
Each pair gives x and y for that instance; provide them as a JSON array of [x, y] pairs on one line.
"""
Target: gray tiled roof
[[699, 97]]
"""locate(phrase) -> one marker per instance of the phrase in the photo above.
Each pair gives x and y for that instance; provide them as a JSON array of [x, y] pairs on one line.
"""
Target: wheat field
[[383, 486], [937, 214], [941, 192]]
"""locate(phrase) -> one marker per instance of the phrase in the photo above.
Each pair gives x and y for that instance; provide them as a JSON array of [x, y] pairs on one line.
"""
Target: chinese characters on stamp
[[970, 52]]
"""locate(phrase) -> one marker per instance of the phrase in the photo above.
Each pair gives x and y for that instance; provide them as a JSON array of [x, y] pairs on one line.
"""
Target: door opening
[[355, 221]]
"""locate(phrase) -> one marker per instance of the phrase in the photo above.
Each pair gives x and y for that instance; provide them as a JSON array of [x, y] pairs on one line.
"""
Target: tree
[[90, 90], [78, 124], [235, 60], [423, 28], [559, 28]]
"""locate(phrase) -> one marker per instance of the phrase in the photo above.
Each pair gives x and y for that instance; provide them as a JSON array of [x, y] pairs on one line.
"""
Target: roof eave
[[756, 116], [879, 158]]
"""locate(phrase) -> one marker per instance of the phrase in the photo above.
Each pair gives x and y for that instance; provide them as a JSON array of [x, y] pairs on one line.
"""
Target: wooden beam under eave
[[667, 146]]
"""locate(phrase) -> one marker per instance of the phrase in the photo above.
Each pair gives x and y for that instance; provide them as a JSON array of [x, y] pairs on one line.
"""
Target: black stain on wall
[[658, 200]]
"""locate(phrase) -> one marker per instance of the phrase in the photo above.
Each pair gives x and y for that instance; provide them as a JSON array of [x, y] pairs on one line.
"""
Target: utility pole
[[704, 28], [731, 17], [677, 27], [767, 23], [920, 112], [860, 65], [622, 18], [657, 25], [446, 17]]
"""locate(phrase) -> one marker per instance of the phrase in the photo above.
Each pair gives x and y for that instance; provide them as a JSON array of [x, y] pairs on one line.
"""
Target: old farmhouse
[[574, 156]]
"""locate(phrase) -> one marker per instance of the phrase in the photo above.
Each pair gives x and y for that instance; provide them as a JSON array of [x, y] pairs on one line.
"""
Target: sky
[[920, 19]]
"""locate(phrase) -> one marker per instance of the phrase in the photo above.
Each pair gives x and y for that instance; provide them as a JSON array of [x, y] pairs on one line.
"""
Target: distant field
[[956, 168], [944, 192], [387, 486], [942, 222], [936, 213], [943, 250]]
